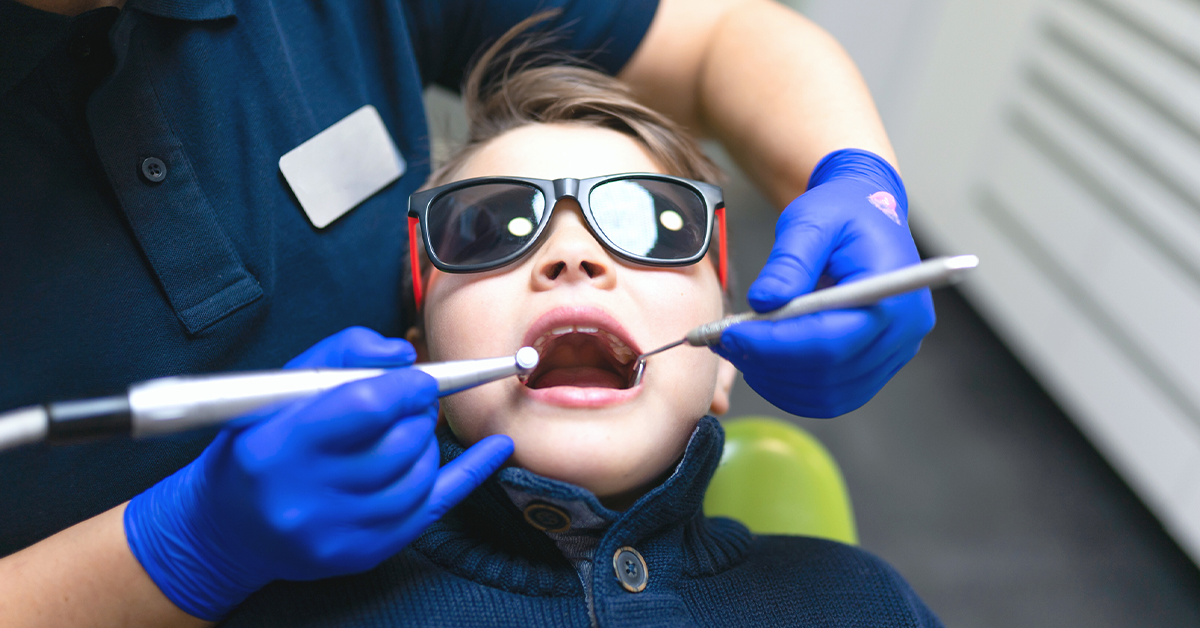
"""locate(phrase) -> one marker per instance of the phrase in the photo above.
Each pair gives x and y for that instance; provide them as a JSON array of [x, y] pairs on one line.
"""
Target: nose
[[571, 254]]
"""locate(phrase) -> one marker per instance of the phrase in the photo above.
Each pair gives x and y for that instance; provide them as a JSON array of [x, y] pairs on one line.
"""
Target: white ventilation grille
[[1096, 177]]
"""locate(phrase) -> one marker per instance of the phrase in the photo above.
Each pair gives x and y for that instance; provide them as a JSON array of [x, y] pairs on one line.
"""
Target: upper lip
[[579, 316]]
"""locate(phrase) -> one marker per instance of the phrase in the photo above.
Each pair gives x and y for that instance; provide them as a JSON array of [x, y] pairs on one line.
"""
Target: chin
[[609, 457], [601, 479]]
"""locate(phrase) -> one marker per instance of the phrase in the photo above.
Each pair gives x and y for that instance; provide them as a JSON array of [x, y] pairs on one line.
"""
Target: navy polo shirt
[[115, 269]]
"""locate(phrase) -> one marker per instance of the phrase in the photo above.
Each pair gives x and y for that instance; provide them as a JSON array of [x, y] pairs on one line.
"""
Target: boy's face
[[575, 421]]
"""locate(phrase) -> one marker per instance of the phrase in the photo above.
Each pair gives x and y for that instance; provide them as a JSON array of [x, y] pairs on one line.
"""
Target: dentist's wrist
[[172, 535]]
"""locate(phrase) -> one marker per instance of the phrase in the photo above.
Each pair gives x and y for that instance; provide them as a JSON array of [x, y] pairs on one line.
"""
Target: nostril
[[592, 270], [554, 270]]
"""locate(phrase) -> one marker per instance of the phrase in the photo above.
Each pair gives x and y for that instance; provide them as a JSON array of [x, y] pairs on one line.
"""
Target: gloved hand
[[320, 487], [852, 222]]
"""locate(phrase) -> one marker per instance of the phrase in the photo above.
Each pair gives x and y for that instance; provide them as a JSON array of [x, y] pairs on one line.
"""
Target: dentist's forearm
[[777, 90], [84, 576]]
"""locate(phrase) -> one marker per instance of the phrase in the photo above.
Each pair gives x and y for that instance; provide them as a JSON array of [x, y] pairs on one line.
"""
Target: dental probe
[[931, 273], [174, 404]]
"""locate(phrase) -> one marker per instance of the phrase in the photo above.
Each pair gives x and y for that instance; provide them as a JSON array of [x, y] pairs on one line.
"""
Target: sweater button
[[547, 517], [631, 569]]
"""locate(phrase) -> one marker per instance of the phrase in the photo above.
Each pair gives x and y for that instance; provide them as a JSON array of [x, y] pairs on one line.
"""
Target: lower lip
[[577, 397]]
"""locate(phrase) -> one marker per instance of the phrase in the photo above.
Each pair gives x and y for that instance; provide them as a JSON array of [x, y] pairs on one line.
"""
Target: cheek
[[454, 310], [472, 317], [683, 298], [695, 383], [675, 302]]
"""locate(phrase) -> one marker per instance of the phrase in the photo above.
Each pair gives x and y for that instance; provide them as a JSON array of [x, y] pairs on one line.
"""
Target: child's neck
[[621, 502]]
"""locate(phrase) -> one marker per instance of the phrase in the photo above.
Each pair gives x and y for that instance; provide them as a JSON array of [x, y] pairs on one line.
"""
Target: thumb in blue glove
[[321, 487], [851, 223]]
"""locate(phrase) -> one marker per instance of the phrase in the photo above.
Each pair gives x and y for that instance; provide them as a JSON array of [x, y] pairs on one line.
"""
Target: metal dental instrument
[[931, 273], [174, 404]]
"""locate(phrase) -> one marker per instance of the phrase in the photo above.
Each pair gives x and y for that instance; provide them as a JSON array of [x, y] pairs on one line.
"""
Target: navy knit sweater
[[484, 565]]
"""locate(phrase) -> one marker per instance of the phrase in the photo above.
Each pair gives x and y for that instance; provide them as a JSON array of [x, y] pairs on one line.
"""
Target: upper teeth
[[621, 350]]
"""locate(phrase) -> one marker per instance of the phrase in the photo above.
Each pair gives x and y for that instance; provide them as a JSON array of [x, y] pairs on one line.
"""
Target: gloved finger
[[392, 457], [354, 416], [382, 524], [867, 389], [465, 473], [453, 483], [822, 402], [352, 551], [356, 347], [355, 550], [812, 342], [870, 244], [360, 531], [832, 229], [834, 382], [907, 321], [400, 501], [857, 361], [797, 258]]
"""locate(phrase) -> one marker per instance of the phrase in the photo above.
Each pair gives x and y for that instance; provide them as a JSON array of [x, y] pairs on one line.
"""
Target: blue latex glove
[[852, 222], [320, 487]]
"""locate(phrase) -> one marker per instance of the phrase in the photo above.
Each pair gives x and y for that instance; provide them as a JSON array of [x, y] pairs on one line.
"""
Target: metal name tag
[[342, 166]]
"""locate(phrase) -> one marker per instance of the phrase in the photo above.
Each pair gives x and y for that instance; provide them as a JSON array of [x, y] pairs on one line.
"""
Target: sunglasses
[[481, 224]]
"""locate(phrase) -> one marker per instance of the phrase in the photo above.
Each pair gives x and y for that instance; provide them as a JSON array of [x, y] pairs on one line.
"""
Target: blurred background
[[1038, 463]]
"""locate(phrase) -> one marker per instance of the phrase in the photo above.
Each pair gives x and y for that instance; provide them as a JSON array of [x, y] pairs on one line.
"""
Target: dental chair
[[778, 479]]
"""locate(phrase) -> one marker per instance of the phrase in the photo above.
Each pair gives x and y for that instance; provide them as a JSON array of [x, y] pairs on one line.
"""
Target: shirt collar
[[28, 35], [191, 10]]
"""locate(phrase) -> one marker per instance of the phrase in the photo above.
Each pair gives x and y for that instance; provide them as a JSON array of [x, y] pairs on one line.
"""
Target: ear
[[417, 338], [725, 375]]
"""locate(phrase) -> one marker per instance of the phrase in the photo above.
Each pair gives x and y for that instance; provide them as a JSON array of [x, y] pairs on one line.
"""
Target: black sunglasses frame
[[553, 191]]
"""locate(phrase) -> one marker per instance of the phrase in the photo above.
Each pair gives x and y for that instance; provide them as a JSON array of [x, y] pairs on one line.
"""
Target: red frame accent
[[414, 260], [723, 265]]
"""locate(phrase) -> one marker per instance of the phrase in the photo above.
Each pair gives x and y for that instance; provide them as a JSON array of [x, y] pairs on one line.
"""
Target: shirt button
[[547, 517], [631, 569], [154, 169]]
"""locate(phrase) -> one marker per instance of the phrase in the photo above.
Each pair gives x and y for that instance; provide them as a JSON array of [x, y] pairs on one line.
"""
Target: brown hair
[[510, 87]]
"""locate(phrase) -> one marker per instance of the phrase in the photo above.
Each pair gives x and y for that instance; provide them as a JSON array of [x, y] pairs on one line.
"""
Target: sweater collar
[[488, 537]]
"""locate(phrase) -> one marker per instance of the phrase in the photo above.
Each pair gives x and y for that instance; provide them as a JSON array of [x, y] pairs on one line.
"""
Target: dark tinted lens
[[651, 218], [484, 223]]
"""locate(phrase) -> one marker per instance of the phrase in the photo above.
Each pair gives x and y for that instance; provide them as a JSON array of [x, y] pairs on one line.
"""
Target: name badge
[[342, 166]]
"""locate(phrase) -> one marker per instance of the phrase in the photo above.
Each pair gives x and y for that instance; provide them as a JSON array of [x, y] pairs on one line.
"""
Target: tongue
[[581, 376]]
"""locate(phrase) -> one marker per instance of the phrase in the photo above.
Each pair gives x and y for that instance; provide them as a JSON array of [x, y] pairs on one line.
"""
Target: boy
[[536, 238]]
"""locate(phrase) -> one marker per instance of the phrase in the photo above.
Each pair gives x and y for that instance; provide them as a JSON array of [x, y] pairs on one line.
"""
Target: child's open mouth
[[584, 356]]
